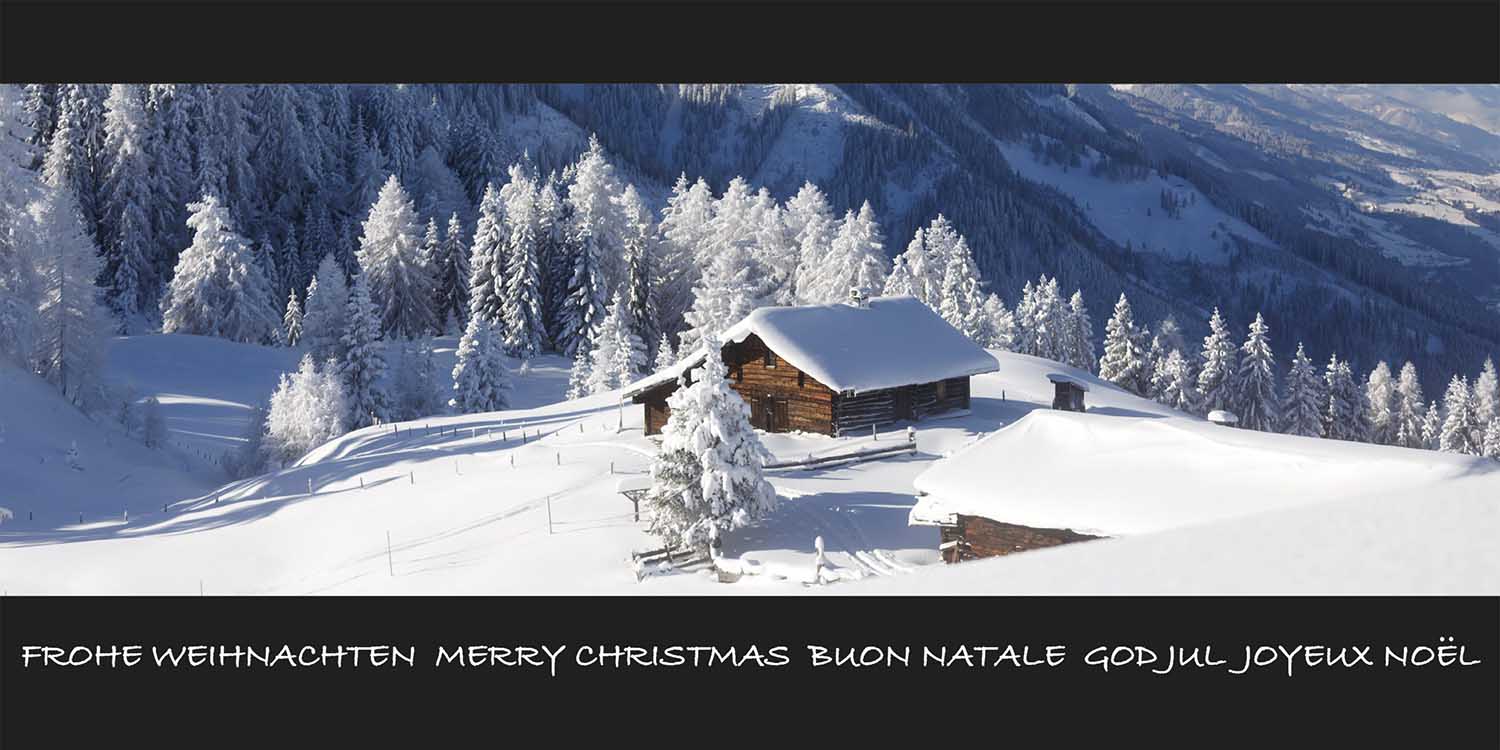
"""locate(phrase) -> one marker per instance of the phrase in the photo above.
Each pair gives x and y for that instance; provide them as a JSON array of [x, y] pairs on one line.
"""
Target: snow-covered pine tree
[[522, 308], [71, 159], [855, 261], [724, 296], [1025, 315], [416, 393], [1217, 373], [1380, 401], [1432, 426], [153, 424], [1305, 399], [708, 476], [1123, 357], [961, 302], [291, 322], [326, 315], [1174, 383], [19, 186], [776, 252], [480, 382], [307, 409], [485, 276], [596, 223], [641, 272], [618, 356], [1411, 409], [1460, 421], [899, 283], [1491, 446], [1078, 340], [1255, 404], [813, 224], [129, 276], [389, 258], [249, 457], [1000, 325], [665, 357], [71, 322], [452, 267], [1487, 394], [578, 376], [363, 367], [218, 289], [683, 230], [1344, 416], [940, 241]]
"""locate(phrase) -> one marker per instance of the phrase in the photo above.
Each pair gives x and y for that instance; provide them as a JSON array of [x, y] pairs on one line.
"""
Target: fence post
[[611, 467], [391, 566], [512, 460], [455, 466], [559, 458], [549, 514], [875, 434], [412, 475], [309, 486], [361, 482]]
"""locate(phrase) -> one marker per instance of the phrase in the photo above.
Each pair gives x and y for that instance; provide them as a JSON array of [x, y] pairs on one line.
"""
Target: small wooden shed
[[835, 369], [1070, 391]]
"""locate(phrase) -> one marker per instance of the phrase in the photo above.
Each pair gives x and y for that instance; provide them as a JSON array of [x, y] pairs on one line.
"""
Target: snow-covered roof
[[885, 343], [1111, 475], [1058, 377]]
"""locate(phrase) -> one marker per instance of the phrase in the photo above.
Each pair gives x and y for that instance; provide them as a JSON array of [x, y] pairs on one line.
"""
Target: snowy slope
[[38, 428], [1131, 211], [468, 504], [1439, 540]]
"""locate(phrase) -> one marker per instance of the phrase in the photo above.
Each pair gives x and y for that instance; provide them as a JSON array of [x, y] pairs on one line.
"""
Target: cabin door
[[769, 413], [903, 403]]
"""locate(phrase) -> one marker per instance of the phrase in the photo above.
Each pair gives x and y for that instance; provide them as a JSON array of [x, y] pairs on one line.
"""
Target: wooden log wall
[[976, 537]]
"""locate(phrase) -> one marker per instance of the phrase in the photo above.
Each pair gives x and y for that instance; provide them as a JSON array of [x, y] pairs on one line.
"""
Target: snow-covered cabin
[[1070, 390], [833, 369], [1054, 477]]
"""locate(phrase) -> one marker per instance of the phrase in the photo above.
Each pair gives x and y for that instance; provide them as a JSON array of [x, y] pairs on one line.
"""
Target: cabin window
[[942, 389], [770, 359], [801, 378]]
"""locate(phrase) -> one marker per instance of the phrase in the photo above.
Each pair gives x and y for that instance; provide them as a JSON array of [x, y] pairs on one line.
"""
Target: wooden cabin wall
[[809, 404], [981, 537]]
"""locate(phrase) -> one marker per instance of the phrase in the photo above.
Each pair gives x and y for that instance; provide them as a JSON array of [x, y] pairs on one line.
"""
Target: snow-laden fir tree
[[218, 289], [480, 381], [71, 322], [71, 159], [1411, 409], [1000, 325], [308, 408], [778, 255], [153, 424], [129, 275], [900, 282], [724, 296], [19, 187], [813, 224], [390, 260], [1255, 404], [1460, 431], [1078, 335], [665, 357], [1344, 415], [522, 305], [1124, 357], [291, 322], [596, 221], [929, 266], [363, 367], [326, 314], [618, 357], [683, 230], [417, 392], [1432, 426], [249, 457], [855, 261], [485, 276], [1491, 445], [1305, 398], [961, 303], [1219, 368], [578, 375], [1487, 394], [641, 272], [1174, 383], [1380, 405], [452, 272], [708, 476]]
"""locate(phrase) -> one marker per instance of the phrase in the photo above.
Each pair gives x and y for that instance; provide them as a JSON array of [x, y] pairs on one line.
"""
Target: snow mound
[[1110, 475]]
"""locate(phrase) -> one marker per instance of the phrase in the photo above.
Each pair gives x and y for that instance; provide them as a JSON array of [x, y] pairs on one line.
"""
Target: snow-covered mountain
[[1358, 219]]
